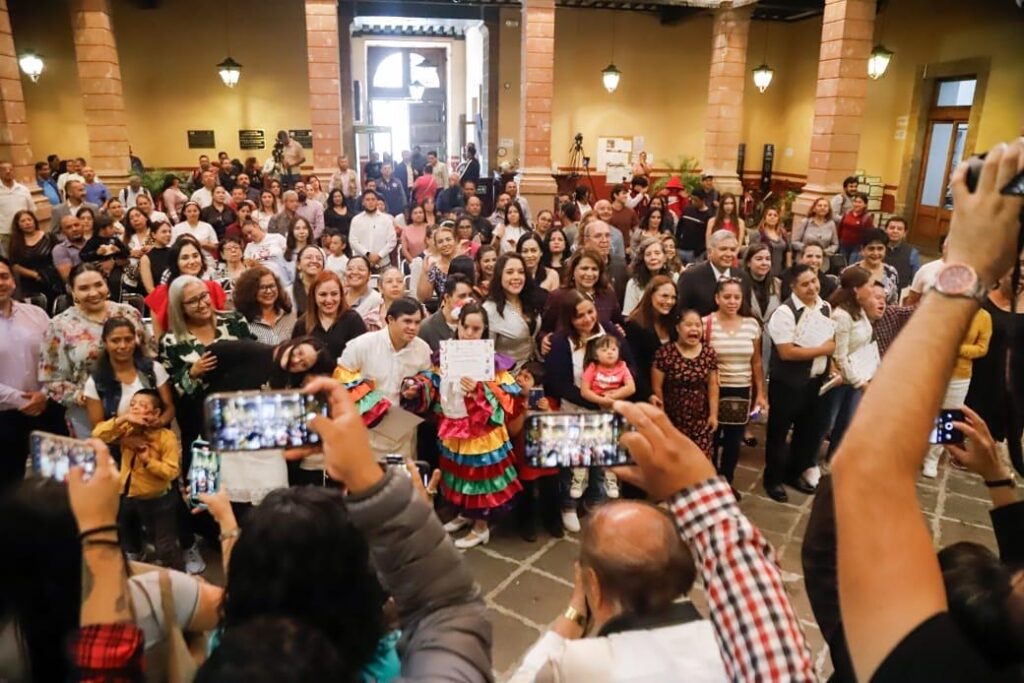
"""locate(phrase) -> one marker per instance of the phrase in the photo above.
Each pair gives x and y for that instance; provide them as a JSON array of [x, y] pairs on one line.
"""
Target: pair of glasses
[[268, 288], [203, 298], [729, 279]]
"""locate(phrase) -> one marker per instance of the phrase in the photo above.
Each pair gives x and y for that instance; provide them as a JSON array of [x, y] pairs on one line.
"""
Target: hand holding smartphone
[[203, 473], [944, 432]]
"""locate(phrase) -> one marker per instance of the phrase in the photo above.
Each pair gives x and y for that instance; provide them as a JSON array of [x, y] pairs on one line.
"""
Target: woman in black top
[[328, 317], [648, 328], [157, 260], [337, 219], [32, 258]]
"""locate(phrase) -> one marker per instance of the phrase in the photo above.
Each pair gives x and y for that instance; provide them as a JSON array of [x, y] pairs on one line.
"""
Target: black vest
[[899, 258], [793, 372]]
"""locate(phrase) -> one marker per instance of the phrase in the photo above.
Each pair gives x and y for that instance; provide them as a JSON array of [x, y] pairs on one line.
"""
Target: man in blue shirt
[[392, 190], [46, 184], [95, 191]]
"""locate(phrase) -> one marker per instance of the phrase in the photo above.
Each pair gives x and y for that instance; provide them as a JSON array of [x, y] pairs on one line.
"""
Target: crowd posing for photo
[[692, 322]]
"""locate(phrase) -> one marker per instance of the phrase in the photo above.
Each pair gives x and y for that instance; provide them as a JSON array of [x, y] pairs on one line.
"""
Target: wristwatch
[[575, 616], [960, 281]]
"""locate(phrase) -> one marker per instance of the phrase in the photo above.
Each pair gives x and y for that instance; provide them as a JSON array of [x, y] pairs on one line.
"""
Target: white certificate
[[470, 358], [814, 329], [865, 361]]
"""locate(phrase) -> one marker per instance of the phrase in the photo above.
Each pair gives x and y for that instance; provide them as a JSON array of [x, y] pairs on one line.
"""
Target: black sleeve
[[934, 651], [1008, 525], [639, 343], [300, 328], [558, 380]]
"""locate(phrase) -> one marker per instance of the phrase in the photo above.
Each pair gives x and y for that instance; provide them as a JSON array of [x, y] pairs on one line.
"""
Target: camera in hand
[[583, 439], [944, 432], [254, 420]]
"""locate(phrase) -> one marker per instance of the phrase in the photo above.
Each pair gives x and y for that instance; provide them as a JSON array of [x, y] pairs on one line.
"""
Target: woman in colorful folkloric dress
[[478, 474]]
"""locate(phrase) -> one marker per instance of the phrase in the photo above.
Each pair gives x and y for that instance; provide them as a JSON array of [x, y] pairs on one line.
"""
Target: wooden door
[[943, 151]]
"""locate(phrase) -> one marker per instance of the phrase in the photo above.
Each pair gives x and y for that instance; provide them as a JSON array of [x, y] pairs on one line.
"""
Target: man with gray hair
[[278, 225], [601, 237], [698, 283], [633, 566]]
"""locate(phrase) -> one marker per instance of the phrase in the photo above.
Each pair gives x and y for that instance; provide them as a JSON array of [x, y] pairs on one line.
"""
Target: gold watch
[[575, 616]]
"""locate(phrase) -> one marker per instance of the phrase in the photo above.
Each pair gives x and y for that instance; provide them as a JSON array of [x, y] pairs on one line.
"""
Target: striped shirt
[[735, 350]]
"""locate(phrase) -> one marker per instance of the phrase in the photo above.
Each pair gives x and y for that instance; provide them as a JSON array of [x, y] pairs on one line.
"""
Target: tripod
[[578, 159]]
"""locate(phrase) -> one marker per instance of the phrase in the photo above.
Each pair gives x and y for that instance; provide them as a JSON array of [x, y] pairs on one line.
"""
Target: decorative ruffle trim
[[478, 473], [371, 403], [484, 505]]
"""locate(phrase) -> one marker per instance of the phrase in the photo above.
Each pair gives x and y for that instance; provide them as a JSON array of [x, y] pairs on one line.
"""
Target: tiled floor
[[526, 586]]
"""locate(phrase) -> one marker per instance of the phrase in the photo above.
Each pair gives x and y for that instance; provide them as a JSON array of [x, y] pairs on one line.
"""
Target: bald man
[[607, 241], [633, 566]]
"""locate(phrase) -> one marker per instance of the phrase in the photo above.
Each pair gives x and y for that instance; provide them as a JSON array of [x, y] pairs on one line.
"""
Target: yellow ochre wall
[[168, 62]]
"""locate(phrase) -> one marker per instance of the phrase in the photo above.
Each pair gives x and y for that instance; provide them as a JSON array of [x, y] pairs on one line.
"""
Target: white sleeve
[[632, 297], [548, 648], [90, 390], [351, 357], [158, 371], [782, 326]]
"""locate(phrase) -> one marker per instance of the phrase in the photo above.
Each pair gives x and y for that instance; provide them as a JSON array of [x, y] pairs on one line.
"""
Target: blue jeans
[[843, 402], [593, 494]]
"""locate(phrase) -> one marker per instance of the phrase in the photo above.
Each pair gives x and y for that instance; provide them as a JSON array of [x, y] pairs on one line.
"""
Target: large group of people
[[124, 314]]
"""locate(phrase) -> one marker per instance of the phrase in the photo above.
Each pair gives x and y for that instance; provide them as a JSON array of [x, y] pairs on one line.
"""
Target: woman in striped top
[[735, 336]]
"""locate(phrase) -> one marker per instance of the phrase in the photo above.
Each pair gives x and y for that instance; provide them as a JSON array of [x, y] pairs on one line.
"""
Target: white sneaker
[[457, 523], [579, 482], [611, 485], [194, 562], [473, 539], [931, 466], [812, 475], [571, 521]]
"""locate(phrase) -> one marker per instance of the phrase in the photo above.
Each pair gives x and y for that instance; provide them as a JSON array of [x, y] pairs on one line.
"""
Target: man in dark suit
[[698, 282], [441, 325]]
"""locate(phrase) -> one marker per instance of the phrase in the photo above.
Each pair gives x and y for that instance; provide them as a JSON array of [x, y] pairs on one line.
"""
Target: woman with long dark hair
[[727, 218], [651, 226], [853, 332], [531, 249], [585, 273], [507, 235], [155, 263], [310, 265], [485, 260], [771, 233], [328, 316], [512, 308], [336, 214], [556, 250], [650, 326], [32, 259]]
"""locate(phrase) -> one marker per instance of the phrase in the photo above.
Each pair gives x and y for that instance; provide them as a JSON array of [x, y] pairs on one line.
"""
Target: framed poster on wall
[[613, 150]]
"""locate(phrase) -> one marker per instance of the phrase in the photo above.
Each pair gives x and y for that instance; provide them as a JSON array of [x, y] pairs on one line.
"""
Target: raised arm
[[875, 469], [759, 637]]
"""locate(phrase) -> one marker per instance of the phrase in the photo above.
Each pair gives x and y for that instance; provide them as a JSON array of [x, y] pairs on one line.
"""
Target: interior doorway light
[[31, 65]]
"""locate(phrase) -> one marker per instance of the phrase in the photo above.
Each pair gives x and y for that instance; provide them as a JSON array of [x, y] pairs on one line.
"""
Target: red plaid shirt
[[889, 325], [108, 653], [758, 634]]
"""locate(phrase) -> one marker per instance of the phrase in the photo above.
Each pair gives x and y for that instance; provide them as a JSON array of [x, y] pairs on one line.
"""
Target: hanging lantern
[[610, 77], [763, 77], [230, 71], [31, 65], [878, 62], [416, 90]]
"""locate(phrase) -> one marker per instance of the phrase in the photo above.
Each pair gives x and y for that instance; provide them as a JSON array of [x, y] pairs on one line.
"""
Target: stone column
[[324, 84], [846, 33], [13, 122], [537, 183], [99, 78], [727, 78]]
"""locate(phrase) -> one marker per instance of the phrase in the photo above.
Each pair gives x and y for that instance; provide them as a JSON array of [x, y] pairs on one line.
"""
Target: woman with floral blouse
[[194, 325], [74, 339]]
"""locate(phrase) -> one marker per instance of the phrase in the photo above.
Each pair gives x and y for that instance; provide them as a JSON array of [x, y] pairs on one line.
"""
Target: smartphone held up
[[53, 456], [944, 432], [259, 420], [575, 439]]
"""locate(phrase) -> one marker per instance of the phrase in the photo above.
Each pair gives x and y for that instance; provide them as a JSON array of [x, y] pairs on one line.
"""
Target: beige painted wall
[[509, 82], [169, 76]]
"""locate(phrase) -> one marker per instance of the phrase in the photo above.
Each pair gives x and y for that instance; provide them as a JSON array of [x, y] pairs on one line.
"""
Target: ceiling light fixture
[[31, 65], [229, 70], [611, 75], [763, 74]]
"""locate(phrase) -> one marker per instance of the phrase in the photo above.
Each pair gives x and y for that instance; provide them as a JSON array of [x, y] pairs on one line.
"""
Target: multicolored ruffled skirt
[[371, 403]]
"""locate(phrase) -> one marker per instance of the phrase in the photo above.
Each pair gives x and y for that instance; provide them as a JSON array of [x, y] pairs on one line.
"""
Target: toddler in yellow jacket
[[150, 463]]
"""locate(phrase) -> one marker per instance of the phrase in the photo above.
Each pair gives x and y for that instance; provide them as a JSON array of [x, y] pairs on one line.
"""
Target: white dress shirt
[[782, 328], [373, 234], [373, 355], [13, 199], [203, 197]]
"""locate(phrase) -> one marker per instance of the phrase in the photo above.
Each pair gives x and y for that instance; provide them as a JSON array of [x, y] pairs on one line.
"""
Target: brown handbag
[[732, 410]]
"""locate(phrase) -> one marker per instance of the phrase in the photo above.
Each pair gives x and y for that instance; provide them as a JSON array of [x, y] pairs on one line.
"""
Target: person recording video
[[288, 157]]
